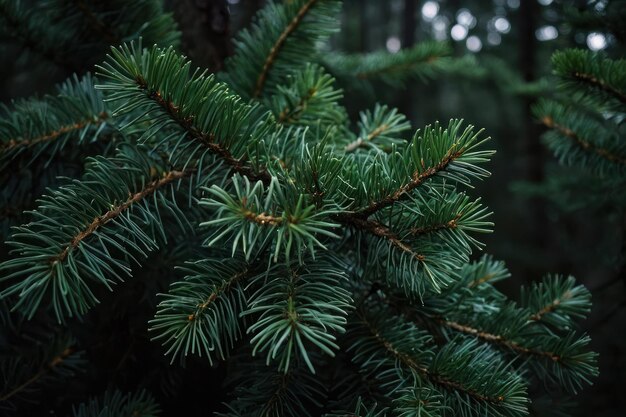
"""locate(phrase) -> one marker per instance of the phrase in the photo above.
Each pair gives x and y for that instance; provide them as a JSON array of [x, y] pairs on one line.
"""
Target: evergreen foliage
[[585, 123], [334, 269]]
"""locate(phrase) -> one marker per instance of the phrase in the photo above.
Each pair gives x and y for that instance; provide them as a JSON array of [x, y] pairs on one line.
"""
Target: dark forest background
[[512, 41]]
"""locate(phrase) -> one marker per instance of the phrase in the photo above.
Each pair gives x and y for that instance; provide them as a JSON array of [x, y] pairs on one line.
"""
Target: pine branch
[[379, 230], [309, 99], [549, 122], [282, 40], [203, 110], [107, 218], [298, 304], [462, 373], [275, 50], [438, 152], [200, 314], [592, 71], [497, 339], [115, 211], [257, 217], [261, 391], [75, 116], [383, 125]]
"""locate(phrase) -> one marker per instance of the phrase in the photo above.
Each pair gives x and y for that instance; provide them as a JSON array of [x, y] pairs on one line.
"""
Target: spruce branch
[[550, 123], [49, 367], [110, 222], [34, 362], [117, 210], [402, 356], [309, 99], [275, 50], [257, 216], [449, 153], [200, 314], [379, 129], [297, 304], [75, 116], [281, 40], [189, 101], [593, 72], [261, 391]]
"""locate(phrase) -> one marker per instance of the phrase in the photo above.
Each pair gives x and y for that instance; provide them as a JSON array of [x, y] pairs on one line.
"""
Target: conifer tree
[[331, 270]]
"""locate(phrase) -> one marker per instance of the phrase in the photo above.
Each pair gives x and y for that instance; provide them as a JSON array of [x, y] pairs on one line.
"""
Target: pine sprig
[[581, 139], [380, 129], [55, 359], [206, 118], [452, 153], [281, 40], [200, 314], [422, 62], [108, 219], [264, 392], [592, 72], [298, 305], [556, 301], [76, 115], [467, 376], [309, 99], [256, 217]]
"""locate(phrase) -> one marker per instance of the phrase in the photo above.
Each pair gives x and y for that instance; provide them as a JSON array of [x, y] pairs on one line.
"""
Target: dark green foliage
[[423, 61], [199, 315], [108, 218], [585, 120], [76, 34], [281, 40], [41, 139], [329, 267], [116, 404], [32, 357]]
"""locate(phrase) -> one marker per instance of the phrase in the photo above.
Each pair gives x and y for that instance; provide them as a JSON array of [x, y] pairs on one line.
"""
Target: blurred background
[[510, 42]]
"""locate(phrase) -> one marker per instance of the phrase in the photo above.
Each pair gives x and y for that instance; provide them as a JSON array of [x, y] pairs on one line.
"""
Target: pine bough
[[336, 265]]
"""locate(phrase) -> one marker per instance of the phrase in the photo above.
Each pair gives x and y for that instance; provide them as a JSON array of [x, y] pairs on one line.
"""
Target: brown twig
[[216, 292], [353, 146], [600, 84], [497, 339], [377, 229]]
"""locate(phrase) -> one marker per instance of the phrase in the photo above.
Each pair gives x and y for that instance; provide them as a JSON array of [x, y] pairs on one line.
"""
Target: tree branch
[[586, 145], [117, 210], [15, 143], [207, 139], [269, 61], [418, 179]]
